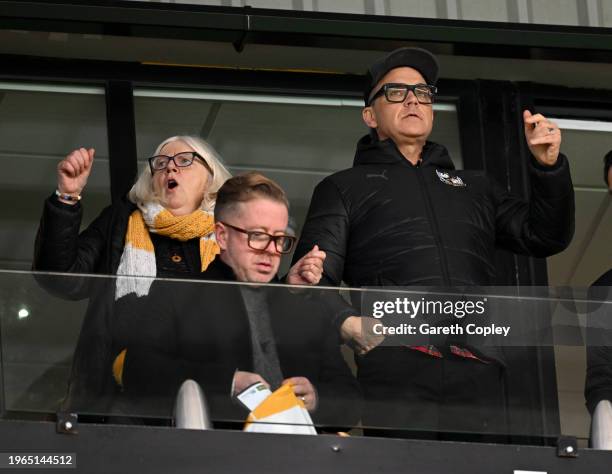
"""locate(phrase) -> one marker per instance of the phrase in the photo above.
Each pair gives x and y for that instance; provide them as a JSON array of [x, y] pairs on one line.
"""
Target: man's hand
[[243, 380], [543, 138], [73, 171], [358, 331], [308, 269], [304, 390]]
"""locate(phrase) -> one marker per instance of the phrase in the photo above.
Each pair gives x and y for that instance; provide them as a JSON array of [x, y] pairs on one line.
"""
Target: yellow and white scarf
[[138, 257]]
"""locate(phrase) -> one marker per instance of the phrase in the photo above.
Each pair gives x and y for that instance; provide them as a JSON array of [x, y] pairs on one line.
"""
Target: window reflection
[[41, 124]]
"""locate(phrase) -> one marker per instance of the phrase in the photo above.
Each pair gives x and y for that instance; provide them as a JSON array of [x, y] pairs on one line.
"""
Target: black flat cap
[[416, 58]]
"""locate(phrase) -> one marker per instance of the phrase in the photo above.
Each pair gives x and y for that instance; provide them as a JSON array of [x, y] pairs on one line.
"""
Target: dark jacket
[[201, 331], [387, 222], [598, 385], [60, 247]]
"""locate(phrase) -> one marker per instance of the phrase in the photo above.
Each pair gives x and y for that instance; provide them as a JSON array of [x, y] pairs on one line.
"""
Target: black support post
[[530, 372], [121, 137], [469, 116]]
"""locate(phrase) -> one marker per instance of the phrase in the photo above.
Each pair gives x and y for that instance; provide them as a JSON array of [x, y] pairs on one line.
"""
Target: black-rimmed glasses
[[395, 92], [182, 160], [259, 240]]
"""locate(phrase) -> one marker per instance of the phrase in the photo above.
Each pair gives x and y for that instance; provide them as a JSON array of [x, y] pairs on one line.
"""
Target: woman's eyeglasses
[[182, 160]]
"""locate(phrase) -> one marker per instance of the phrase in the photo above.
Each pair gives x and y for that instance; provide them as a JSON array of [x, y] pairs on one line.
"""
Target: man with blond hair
[[229, 337]]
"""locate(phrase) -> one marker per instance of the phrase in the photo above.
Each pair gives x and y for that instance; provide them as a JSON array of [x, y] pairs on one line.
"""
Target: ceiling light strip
[[583, 125], [55, 88]]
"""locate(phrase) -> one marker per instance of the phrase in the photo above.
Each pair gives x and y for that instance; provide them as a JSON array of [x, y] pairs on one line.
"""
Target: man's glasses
[[182, 160], [258, 240], [424, 93]]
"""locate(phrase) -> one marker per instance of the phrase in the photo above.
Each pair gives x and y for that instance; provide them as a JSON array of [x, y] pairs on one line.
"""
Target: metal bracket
[[567, 447], [239, 43], [67, 423]]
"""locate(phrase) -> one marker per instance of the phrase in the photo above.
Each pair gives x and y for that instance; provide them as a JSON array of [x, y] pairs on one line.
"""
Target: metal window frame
[[121, 130]]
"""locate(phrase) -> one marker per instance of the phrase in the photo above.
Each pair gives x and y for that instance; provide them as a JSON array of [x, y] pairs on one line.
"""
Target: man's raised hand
[[543, 138]]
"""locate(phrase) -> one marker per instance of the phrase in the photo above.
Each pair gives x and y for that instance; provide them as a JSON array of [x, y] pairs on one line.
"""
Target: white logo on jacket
[[446, 178]]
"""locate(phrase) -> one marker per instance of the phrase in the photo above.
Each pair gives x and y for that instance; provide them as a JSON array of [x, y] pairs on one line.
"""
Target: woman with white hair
[[175, 195], [163, 229]]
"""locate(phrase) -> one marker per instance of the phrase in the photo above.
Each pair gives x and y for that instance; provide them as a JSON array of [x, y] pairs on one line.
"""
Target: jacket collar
[[218, 270], [371, 151]]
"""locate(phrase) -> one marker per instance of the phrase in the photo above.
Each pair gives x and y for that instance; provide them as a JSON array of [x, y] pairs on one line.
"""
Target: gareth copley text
[[426, 329]]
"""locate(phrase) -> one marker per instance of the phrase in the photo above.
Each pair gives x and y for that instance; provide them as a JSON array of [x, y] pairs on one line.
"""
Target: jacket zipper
[[435, 227]]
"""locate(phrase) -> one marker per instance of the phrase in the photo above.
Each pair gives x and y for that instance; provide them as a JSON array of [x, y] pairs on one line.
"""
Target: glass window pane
[[41, 124], [586, 142], [39, 332]]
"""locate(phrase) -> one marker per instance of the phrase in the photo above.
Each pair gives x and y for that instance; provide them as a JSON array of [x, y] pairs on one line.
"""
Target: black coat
[[60, 247], [201, 331], [387, 222], [598, 384]]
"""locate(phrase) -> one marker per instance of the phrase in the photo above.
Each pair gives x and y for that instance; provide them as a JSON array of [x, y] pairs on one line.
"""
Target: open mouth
[[171, 184]]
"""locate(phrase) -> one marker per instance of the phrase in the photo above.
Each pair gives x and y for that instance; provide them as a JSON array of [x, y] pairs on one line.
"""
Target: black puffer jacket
[[387, 222]]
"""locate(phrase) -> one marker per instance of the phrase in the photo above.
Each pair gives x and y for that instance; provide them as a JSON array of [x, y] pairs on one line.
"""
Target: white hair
[[142, 191]]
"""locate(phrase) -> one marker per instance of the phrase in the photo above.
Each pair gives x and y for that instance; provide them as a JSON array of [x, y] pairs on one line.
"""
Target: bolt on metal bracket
[[67, 423], [567, 447]]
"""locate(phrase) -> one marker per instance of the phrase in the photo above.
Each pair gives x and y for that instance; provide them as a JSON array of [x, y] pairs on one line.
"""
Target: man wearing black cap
[[402, 215]]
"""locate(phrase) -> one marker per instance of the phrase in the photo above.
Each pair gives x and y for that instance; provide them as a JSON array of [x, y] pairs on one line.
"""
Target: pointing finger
[[534, 118]]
